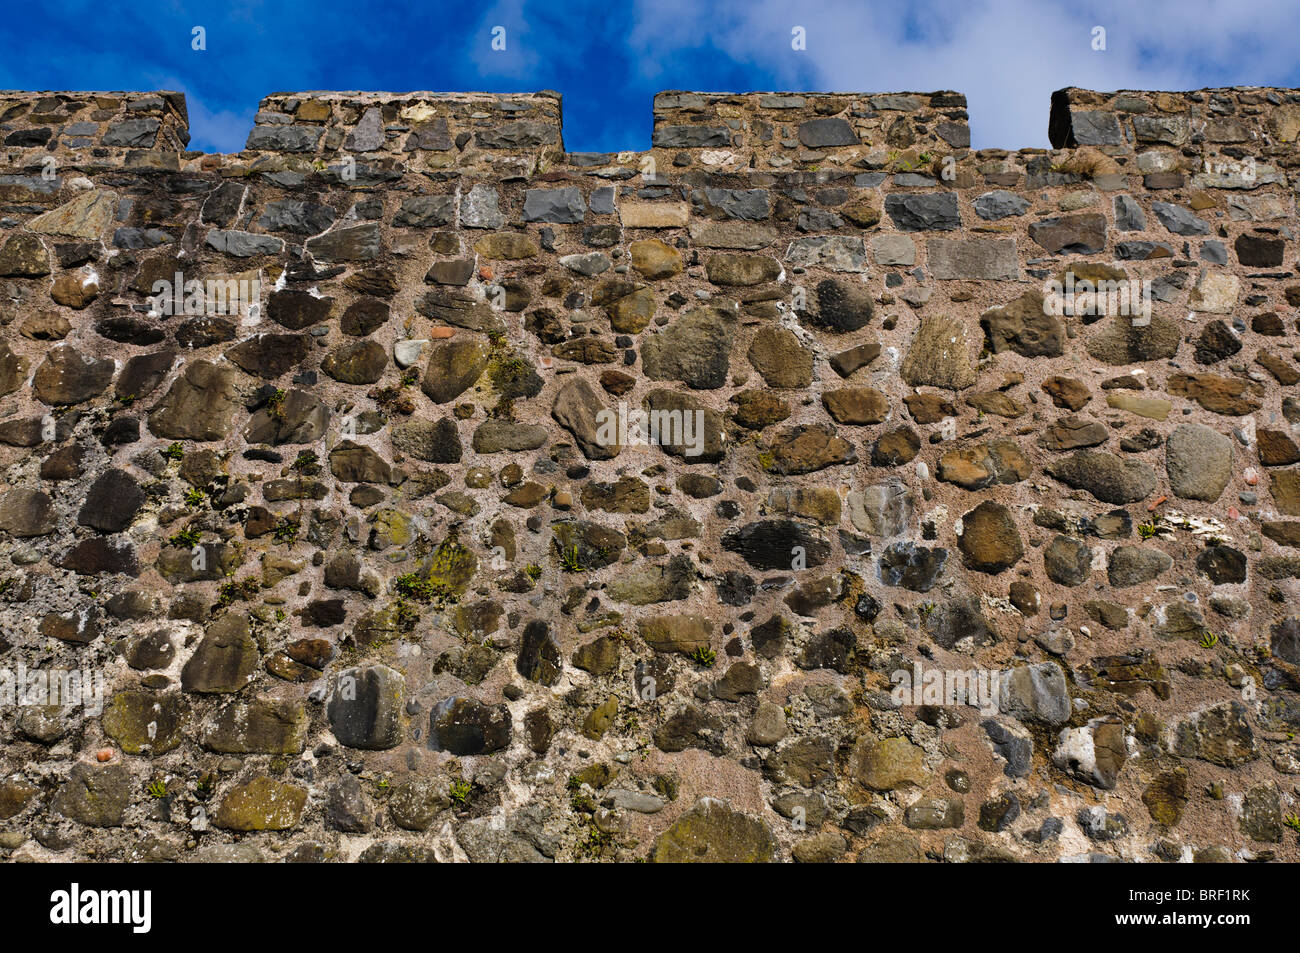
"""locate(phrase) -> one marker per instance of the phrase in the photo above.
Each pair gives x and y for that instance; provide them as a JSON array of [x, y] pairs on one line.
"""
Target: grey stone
[[924, 211], [1198, 461], [695, 349], [515, 135], [893, 250], [1036, 693], [425, 211], [1179, 220], [690, 137], [133, 133], [832, 131], [284, 138], [579, 409], [750, 205], [243, 244], [301, 218], [1095, 128], [1109, 478], [989, 259], [368, 134], [992, 206], [1129, 216], [354, 243], [1135, 565], [832, 252], [558, 206], [881, 510], [365, 707], [479, 208], [1067, 561]]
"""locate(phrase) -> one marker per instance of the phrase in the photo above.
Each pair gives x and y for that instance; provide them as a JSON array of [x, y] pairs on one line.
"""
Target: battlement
[[77, 123], [693, 131]]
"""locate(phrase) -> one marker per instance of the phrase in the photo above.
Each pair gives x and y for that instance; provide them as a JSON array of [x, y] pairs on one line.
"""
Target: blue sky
[[609, 59]]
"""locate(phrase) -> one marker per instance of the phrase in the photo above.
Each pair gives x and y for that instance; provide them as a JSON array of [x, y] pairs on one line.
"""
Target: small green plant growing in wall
[[174, 452], [595, 843], [275, 405], [187, 538], [570, 560], [205, 785], [233, 590], [459, 791], [705, 656], [157, 789], [1292, 821], [194, 497], [1209, 640], [286, 531]]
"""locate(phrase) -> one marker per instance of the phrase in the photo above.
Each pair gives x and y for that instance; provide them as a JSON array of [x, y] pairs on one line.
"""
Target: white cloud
[[1007, 56]]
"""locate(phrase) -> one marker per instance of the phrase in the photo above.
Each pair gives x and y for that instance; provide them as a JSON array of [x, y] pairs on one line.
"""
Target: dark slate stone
[[269, 355], [776, 544], [363, 316], [225, 660], [514, 135], [465, 726], [558, 206], [355, 243], [1222, 564], [746, 204], [1285, 643], [1016, 749], [1179, 220], [820, 133], [284, 138], [296, 310], [100, 554], [1256, 251], [1142, 251], [433, 136], [222, 206], [992, 206], [112, 502], [365, 708], [691, 137], [1129, 216], [300, 218], [539, 654], [1096, 128], [425, 211], [133, 133], [912, 567], [924, 211], [243, 244]]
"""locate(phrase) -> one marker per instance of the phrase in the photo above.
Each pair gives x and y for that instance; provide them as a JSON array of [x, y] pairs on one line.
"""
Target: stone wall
[[303, 456]]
